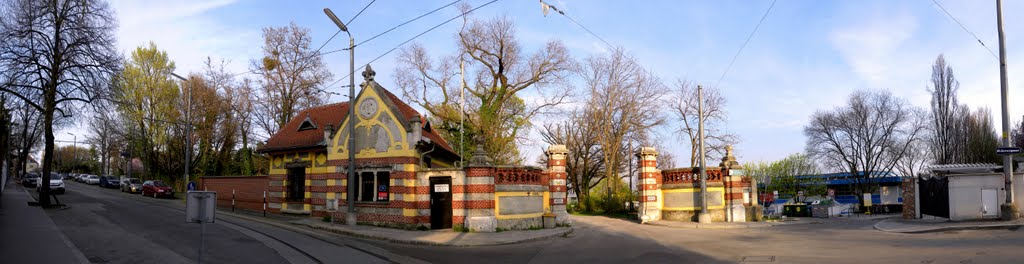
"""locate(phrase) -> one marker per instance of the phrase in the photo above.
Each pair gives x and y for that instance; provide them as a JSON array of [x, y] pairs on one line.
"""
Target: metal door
[[934, 196], [440, 202], [989, 203]]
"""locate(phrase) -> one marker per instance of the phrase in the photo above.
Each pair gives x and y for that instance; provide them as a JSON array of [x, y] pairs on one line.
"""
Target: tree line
[[877, 134]]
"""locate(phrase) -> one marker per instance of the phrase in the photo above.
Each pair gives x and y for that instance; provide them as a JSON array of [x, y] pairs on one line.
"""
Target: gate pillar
[[650, 185]]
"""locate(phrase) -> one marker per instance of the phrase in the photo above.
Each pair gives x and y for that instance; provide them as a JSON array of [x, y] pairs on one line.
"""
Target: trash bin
[[796, 210]]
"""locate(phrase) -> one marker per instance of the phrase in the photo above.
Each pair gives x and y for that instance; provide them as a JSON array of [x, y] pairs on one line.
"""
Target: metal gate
[[934, 196]]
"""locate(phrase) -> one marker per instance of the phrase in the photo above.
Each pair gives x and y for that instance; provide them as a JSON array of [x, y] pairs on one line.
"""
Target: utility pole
[[703, 217], [1009, 209]]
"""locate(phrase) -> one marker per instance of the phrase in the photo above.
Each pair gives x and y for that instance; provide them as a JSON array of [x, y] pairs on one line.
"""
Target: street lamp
[[350, 216], [188, 132], [74, 148]]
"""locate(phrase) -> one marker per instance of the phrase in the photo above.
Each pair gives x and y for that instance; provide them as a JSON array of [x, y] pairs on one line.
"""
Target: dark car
[[131, 185], [157, 189], [109, 182], [31, 179]]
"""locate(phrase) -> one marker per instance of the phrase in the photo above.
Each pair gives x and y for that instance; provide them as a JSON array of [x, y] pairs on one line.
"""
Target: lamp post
[[188, 132], [74, 148], [350, 215], [1009, 209], [703, 217]]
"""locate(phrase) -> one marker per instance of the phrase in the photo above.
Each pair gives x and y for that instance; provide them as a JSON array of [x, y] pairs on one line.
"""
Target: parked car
[[92, 179], [31, 179], [131, 185], [56, 184], [157, 189], [109, 182]]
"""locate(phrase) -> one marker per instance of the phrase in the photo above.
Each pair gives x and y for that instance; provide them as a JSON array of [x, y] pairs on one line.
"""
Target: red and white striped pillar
[[557, 179], [649, 185]]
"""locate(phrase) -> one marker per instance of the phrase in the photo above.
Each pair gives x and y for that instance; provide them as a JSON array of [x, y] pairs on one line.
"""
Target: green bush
[[326, 218], [422, 228]]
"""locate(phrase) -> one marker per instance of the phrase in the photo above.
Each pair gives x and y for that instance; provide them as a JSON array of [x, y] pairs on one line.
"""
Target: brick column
[[650, 185], [909, 210], [556, 182]]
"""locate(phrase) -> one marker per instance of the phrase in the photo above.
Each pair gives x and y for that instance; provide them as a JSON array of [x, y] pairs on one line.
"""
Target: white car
[[93, 179], [56, 184]]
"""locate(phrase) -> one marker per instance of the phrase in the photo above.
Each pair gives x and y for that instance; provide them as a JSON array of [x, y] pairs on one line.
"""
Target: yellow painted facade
[[497, 205], [721, 190]]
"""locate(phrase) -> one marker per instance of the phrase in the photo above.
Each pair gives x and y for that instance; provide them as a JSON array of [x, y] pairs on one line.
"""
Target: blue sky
[[807, 56]]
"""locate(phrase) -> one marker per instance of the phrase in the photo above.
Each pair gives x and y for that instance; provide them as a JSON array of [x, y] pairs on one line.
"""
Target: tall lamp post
[[703, 217], [1009, 209], [188, 132], [74, 148], [350, 215]]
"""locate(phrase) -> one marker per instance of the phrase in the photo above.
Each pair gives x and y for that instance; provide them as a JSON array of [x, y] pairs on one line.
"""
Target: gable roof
[[289, 137]]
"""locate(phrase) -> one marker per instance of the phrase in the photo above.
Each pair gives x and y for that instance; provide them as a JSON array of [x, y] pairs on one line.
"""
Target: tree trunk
[[49, 101]]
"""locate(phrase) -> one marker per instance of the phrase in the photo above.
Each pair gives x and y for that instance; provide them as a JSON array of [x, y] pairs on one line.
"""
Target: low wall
[[520, 206], [248, 190]]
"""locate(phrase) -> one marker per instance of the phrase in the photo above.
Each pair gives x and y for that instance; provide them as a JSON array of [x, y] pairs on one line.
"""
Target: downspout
[[424, 155]]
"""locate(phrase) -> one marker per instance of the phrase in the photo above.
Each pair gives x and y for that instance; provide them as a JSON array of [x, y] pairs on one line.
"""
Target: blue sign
[[1007, 151], [191, 186]]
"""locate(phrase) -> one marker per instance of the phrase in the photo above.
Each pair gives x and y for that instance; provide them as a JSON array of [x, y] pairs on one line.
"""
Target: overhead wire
[[546, 5], [729, 67], [413, 38], [965, 29]]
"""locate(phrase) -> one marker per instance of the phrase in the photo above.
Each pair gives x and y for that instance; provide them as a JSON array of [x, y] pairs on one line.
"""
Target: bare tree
[[981, 138], [685, 108], [291, 76], [62, 51], [946, 131], [101, 138], [866, 138], [584, 165], [620, 99], [497, 72]]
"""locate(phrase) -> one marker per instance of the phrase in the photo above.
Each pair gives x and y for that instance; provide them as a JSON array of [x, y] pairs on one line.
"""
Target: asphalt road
[[605, 240], [113, 227]]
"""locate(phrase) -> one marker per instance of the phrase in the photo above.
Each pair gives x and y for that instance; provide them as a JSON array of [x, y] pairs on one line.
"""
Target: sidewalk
[[941, 224], [764, 224], [446, 237], [28, 235]]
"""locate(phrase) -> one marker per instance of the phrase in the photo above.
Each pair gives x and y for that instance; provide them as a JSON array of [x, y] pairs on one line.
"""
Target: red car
[[157, 189]]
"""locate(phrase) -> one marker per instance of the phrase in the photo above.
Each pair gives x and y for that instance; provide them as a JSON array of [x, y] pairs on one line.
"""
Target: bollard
[[264, 203], [232, 200]]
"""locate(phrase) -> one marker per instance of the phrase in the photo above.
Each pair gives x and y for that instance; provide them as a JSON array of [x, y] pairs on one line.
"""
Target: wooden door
[[440, 202]]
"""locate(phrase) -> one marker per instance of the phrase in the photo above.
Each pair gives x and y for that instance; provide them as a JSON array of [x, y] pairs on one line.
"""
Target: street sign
[[200, 207], [1007, 151]]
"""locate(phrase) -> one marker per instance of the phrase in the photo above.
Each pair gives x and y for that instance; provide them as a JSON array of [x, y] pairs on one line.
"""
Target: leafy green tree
[[784, 175], [147, 99]]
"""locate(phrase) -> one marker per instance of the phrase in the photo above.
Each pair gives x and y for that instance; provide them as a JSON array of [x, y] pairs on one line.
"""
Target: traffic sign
[[1007, 151]]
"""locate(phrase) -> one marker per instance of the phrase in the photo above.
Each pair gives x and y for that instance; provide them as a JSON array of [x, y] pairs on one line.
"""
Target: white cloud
[[187, 31]]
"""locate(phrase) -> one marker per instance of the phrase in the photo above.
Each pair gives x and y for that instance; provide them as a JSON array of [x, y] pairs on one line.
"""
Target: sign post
[[201, 207], [1008, 151]]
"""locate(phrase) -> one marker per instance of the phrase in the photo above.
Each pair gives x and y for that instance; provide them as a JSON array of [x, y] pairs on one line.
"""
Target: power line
[[339, 30], [410, 21], [965, 29], [546, 5], [727, 68], [411, 39], [360, 13]]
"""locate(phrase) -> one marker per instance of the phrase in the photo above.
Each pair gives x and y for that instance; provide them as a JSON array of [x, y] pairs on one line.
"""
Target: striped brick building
[[674, 194], [406, 173]]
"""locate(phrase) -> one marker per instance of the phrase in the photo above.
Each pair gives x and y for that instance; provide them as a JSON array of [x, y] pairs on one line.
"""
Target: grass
[[460, 228]]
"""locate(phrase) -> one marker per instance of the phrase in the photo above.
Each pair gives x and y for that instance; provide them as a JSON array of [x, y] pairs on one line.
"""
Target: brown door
[[440, 202]]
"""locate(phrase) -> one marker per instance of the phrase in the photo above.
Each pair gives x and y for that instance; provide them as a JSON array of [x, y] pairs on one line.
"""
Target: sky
[[806, 56]]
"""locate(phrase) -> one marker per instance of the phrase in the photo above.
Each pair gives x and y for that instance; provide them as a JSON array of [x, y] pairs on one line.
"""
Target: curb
[[948, 228], [430, 243], [743, 226]]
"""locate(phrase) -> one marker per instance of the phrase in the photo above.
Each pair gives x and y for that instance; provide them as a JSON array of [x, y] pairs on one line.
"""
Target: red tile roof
[[289, 137]]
